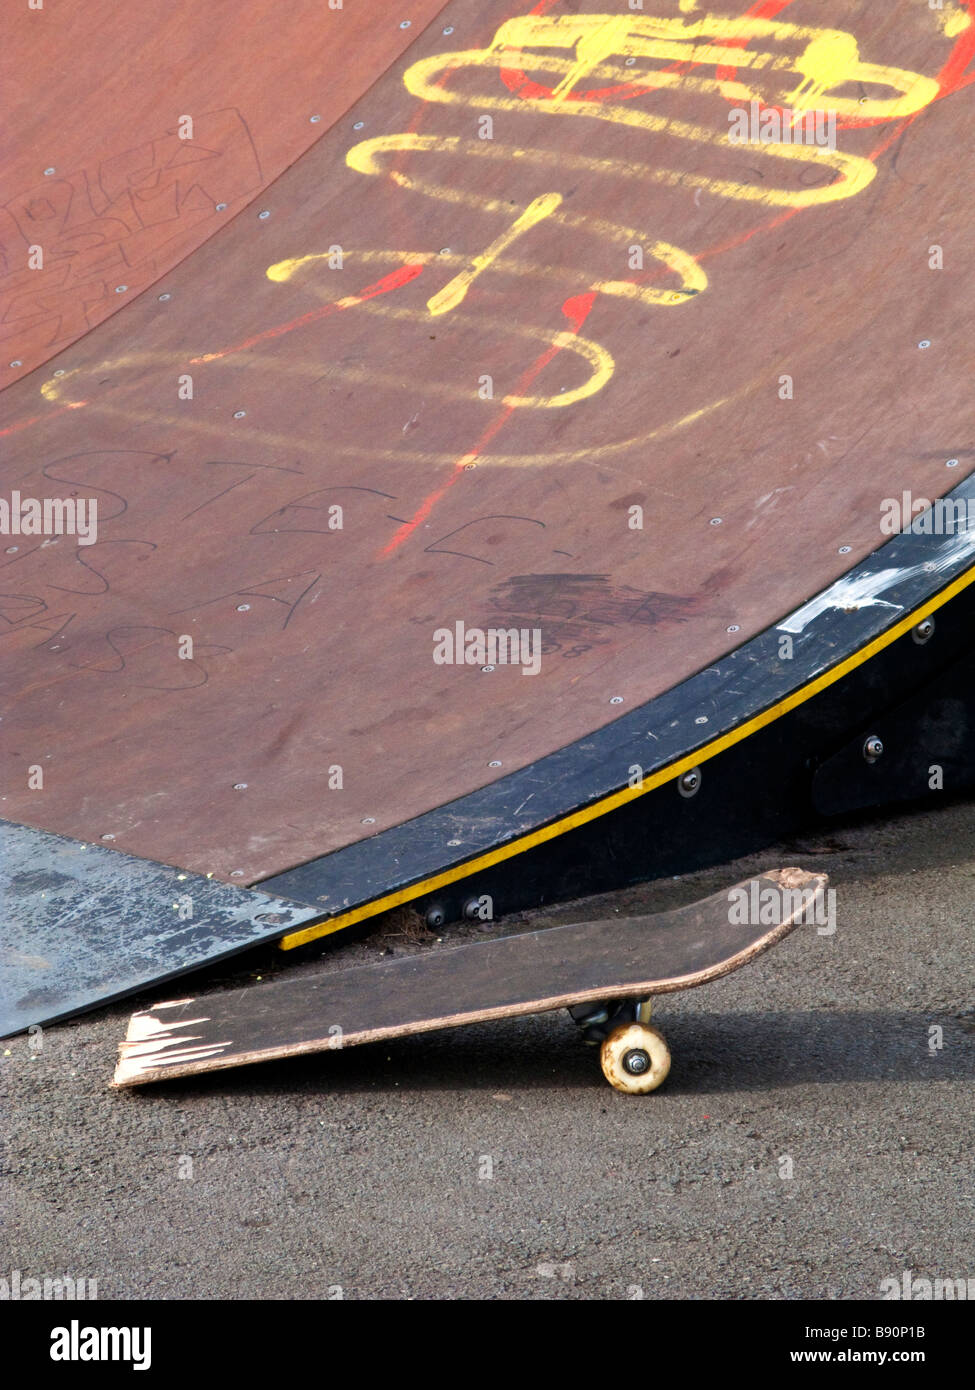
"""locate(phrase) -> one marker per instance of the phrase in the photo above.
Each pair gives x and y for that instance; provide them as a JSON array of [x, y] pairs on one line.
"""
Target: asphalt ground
[[814, 1136]]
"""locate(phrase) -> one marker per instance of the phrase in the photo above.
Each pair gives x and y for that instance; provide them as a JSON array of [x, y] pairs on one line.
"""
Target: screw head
[[486, 670], [690, 783], [449, 29], [734, 628], [221, 207], [236, 873], [358, 125], [314, 119], [924, 343], [368, 820], [16, 362], [49, 172], [630, 62], [264, 214], [240, 786], [108, 837], [164, 297], [435, 916], [636, 1061], [120, 289], [243, 608], [59, 372], [239, 414], [872, 748], [951, 463], [616, 699], [406, 24], [844, 550], [923, 631], [715, 521], [494, 763]]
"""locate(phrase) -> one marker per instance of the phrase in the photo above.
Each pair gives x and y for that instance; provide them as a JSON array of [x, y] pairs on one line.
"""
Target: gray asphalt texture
[[493, 1162]]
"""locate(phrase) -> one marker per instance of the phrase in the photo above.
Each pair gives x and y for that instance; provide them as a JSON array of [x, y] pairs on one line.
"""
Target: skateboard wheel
[[635, 1058]]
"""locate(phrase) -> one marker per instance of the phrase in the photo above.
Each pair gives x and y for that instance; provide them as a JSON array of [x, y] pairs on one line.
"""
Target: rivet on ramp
[[616, 699], [951, 463], [236, 873], [221, 207], [239, 414], [243, 608], [873, 748], [449, 29], [701, 719], [924, 343], [240, 786], [165, 296], [108, 837], [11, 550], [486, 670], [59, 372], [120, 289], [453, 842], [314, 119], [494, 763], [715, 521], [406, 24], [49, 172], [844, 550], [368, 820], [690, 783], [264, 214], [16, 362], [357, 125], [734, 628]]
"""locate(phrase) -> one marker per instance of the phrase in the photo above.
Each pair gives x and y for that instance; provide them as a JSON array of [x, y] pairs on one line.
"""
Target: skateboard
[[605, 973]]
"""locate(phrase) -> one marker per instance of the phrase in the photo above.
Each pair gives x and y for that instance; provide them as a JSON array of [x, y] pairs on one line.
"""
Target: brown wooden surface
[[313, 647], [95, 90], [531, 973]]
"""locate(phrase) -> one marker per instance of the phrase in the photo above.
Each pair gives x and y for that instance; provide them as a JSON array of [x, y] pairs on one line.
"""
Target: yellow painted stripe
[[620, 798]]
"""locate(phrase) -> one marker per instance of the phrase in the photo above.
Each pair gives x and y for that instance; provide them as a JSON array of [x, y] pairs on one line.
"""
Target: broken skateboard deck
[[605, 972]]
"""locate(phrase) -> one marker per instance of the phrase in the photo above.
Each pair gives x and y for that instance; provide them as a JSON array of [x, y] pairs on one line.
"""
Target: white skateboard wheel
[[635, 1058]]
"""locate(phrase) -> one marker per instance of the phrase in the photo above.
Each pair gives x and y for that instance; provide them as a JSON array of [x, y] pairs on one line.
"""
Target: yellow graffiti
[[693, 279], [800, 66], [453, 293], [952, 20], [829, 58]]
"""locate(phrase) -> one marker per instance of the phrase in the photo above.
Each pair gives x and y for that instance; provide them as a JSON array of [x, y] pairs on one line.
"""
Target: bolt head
[[872, 748], [690, 782], [636, 1062]]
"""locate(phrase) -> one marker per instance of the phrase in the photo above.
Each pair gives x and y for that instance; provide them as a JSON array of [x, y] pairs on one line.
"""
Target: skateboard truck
[[634, 1057]]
